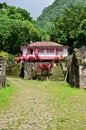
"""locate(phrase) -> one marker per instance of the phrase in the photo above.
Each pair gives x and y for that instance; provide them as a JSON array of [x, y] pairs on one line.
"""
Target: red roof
[[46, 44]]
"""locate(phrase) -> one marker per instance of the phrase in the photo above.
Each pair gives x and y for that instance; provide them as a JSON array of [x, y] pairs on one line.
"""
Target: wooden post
[[2, 72]]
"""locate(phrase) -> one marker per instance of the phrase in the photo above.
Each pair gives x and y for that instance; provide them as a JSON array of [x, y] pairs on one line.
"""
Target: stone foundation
[[27, 69]]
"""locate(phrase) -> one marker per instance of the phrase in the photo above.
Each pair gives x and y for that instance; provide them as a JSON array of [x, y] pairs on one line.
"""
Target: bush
[[13, 70]]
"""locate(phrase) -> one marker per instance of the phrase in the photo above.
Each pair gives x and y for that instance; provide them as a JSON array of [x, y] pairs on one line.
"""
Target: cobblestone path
[[30, 109]]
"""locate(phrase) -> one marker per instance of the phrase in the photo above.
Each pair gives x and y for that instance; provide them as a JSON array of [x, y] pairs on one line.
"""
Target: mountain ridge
[[54, 10]]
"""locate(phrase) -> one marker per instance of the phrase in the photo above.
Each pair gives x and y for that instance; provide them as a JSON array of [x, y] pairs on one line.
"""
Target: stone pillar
[[28, 69], [2, 72], [82, 73]]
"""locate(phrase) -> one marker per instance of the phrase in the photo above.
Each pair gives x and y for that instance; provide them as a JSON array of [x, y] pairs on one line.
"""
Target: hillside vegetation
[[45, 21]]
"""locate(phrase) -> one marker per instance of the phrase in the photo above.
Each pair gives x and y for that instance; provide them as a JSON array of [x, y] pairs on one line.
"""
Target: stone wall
[[82, 72], [77, 70], [28, 69]]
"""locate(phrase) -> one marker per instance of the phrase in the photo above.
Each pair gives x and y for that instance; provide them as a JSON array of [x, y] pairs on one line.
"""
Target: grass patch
[[69, 104], [5, 96], [66, 105]]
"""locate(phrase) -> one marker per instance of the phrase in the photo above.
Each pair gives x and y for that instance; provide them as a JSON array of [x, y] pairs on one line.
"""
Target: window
[[60, 49], [50, 50], [41, 50]]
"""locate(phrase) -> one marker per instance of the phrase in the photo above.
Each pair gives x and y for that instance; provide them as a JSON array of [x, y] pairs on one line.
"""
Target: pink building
[[43, 51]]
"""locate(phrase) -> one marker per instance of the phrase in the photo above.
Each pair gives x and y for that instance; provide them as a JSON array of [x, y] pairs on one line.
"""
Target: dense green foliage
[[13, 70], [49, 14], [71, 28], [66, 22], [16, 27], [4, 55]]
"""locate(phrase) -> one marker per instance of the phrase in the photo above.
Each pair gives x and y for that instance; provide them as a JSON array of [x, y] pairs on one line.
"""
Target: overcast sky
[[35, 7]]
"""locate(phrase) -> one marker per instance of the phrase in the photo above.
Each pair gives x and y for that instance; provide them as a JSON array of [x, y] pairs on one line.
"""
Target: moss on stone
[[77, 56]]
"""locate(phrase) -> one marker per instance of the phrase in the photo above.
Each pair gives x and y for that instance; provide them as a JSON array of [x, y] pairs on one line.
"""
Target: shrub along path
[[41, 105]]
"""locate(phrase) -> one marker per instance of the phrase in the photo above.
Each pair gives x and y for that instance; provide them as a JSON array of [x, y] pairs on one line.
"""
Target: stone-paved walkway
[[30, 109]]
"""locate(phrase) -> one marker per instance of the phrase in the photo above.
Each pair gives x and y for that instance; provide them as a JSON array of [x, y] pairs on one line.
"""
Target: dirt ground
[[30, 109], [41, 105]]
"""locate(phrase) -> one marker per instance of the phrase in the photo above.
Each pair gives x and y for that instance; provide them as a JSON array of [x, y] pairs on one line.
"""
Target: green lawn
[[69, 103], [6, 94]]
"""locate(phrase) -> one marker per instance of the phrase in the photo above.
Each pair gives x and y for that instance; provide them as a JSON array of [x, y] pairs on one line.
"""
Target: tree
[[71, 28], [15, 13], [9, 34], [16, 27], [31, 32], [15, 32]]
